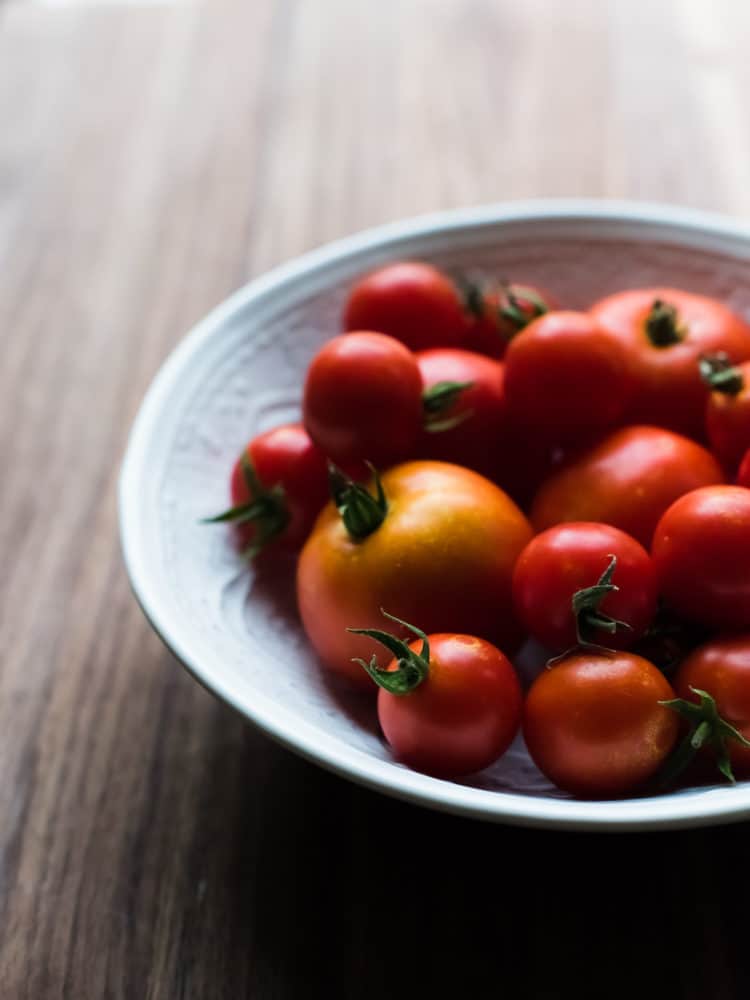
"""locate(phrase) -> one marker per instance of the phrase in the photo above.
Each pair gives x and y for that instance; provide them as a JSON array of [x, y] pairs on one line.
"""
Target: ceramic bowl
[[240, 371]]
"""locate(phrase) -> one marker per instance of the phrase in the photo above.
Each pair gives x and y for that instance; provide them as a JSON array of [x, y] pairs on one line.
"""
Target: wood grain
[[153, 158]]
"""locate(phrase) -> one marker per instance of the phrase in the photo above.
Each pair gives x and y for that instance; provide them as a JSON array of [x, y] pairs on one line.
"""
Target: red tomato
[[483, 438], [743, 476], [439, 549], [594, 726], [728, 409], [571, 559], [721, 667], [566, 377], [500, 312], [363, 399], [701, 551], [448, 704], [413, 302], [666, 331], [279, 485], [627, 480]]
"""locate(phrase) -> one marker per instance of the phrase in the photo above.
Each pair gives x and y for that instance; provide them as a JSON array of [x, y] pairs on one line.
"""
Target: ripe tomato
[[501, 311], [701, 551], [448, 704], [438, 549], [594, 726], [279, 485], [566, 377], [570, 561], [721, 668], [666, 331], [627, 480], [413, 302], [728, 409], [363, 399], [482, 436], [743, 476]]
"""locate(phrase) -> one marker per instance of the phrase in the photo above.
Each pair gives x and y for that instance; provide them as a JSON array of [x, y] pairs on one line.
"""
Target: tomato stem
[[518, 304], [707, 728], [471, 294], [412, 667], [663, 327], [512, 310], [361, 512], [586, 605], [266, 508], [720, 375], [439, 398]]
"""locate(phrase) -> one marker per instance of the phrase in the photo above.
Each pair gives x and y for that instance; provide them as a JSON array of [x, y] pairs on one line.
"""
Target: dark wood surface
[[153, 158]]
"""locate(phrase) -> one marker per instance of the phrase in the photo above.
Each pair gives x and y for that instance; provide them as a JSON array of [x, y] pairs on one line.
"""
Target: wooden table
[[152, 159]]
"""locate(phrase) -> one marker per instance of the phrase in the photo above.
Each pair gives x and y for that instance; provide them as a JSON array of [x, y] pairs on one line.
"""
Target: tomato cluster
[[483, 467]]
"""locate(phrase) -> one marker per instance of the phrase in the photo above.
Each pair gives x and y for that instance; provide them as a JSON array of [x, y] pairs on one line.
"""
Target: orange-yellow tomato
[[443, 556]]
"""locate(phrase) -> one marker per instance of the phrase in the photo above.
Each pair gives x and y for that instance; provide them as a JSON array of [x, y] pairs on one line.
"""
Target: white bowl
[[240, 371]]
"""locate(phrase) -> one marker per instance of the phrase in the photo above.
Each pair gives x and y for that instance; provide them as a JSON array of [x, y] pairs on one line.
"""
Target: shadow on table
[[325, 889]]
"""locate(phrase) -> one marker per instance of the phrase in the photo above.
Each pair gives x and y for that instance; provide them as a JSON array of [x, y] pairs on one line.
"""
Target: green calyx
[[412, 668], [471, 294], [519, 305], [707, 729], [720, 375], [361, 512], [587, 609], [266, 509], [663, 327], [437, 400], [512, 310]]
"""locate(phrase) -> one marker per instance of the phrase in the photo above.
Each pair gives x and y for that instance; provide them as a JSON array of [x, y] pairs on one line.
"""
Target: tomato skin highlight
[[701, 552], [594, 726], [411, 301], [670, 392], [570, 557], [363, 399], [722, 668], [463, 717], [627, 480], [284, 456], [728, 422], [443, 557], [566, 377]]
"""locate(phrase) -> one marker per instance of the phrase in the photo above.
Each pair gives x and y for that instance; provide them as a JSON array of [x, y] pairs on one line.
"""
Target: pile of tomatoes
[[477, 467]]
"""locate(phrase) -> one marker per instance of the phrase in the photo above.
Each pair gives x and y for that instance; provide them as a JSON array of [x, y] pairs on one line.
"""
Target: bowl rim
[[698, 808]]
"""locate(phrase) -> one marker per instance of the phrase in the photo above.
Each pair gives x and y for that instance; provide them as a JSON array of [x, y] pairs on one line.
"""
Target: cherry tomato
[[572, 559], [279, 485], [438, 548], [448, 704], [413, 302], [566, 376], [721, 667], [627, 480], [483, 437], [743, 476], [666, 331], [363, 399], [728, 409], [701, 551], [501, 311], [594, 726]]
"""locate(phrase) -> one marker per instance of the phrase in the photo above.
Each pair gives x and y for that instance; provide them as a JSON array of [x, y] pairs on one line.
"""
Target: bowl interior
[[241, 371]]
